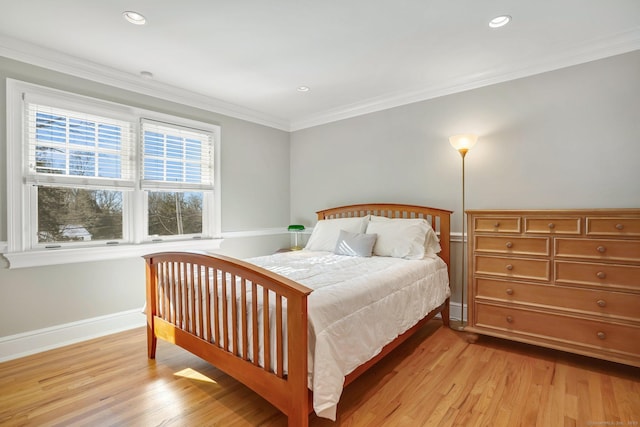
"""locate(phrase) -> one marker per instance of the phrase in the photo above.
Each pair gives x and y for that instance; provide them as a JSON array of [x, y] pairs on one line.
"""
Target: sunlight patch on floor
[[194, 375]]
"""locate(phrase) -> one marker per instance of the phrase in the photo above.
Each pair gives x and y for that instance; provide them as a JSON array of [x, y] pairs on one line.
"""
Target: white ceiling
[[246, 58]]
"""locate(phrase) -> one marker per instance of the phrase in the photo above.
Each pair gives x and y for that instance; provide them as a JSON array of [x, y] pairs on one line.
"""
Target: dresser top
[[596, 211]]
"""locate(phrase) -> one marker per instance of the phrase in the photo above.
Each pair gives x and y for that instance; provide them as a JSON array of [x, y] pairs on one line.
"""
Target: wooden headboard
[[440, 219]]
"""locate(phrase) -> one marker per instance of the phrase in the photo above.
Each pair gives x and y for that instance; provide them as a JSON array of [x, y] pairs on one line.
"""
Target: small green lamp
[[296, 229]]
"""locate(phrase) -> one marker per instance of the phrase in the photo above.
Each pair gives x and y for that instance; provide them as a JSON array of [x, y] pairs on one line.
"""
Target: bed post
[[445, 240], [445, 254], [445, 313], [150, 307], [297, 330]]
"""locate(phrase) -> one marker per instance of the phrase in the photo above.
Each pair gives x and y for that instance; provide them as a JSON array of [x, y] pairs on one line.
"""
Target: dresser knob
[[601, 274], [509, 291], [509, 319], [552, 225], [601, 249], [601, 335], [619, 226], [509, 267], [601, 303], [497, 224], [509, 245]]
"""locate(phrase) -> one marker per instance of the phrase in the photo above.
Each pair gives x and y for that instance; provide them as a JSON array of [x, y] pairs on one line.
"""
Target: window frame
[[21, 220]]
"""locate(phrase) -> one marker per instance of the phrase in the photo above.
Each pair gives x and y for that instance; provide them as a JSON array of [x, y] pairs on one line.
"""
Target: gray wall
[[255, 195], [563, 139]]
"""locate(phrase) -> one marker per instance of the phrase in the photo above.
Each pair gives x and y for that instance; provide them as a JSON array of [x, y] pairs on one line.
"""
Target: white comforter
[[358, 306]]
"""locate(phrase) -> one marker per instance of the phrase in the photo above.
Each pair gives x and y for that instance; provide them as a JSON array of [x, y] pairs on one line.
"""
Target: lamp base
[[457, 325]]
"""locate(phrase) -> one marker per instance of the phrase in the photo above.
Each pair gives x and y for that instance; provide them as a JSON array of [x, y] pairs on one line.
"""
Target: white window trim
[[18, 250]]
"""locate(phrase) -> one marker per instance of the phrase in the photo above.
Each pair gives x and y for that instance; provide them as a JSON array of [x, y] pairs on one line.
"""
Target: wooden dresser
[[565, 279]]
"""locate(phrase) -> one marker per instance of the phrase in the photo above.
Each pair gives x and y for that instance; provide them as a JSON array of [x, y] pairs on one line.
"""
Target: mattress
[[358, 305]]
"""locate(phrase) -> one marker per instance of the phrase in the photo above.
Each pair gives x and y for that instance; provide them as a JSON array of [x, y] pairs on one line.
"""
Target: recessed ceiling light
[[134, 17], [303, 89], [499, 21]]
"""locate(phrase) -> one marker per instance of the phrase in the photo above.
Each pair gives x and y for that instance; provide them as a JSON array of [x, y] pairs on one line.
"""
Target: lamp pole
[[462, 143], [463, 153]]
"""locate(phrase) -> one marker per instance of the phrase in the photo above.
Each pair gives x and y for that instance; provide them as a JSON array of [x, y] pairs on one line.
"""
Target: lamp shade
[[463, 141]]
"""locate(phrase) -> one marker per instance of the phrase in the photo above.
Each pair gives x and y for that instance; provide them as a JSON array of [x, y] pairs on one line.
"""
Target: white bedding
[[357, 307]]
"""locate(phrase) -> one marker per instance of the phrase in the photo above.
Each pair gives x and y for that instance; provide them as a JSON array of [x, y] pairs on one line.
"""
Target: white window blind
[[176, 157], [77, 149]]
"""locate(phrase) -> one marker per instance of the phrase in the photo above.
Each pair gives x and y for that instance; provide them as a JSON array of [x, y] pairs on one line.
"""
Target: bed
[[279, 323]]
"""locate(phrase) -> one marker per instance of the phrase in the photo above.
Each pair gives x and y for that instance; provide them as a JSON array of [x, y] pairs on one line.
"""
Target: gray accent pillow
[[355, 244]]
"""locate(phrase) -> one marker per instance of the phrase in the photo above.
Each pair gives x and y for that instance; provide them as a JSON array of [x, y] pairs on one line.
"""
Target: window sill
[[74, 255]]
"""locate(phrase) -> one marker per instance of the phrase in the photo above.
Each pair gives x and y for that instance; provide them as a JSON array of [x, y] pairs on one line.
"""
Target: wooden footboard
[[215, 307]]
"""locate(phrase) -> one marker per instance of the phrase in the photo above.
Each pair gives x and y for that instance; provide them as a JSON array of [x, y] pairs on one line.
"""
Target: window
[[176, 178], [88, 174], [76, 164]]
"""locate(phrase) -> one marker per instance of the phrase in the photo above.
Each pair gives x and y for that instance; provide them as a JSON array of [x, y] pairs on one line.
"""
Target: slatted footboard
[[217, 308]]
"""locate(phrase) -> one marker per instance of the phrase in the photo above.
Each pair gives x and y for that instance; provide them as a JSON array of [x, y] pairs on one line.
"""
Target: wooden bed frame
[[181, 286]]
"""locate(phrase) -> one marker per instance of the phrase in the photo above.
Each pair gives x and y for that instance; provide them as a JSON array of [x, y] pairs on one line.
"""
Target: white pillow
[[325, 234], [431, 242], [412, 237]]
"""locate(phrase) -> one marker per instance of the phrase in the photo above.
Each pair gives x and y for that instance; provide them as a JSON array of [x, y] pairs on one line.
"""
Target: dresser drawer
[[598, 249], [596, 302], [565, 329], [513, 245], [613, 226], [497, 224], [523, 268], [552, 225], [595, 274]]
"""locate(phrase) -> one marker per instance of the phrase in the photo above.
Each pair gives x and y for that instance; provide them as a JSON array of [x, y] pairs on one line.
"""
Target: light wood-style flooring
[[436, 378]]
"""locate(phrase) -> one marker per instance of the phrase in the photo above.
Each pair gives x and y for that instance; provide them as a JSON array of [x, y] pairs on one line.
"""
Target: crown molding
[[592, 50], [57, 61]]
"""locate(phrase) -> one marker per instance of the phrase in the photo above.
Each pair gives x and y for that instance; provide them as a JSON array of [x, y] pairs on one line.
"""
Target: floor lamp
[[463, 144]]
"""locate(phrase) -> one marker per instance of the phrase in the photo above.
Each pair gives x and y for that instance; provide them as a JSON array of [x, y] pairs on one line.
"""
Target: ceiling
[[246, 58]]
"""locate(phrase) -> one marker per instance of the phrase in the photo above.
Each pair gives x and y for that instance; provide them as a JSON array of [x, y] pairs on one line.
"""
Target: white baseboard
[[26, 343], [455, 311]]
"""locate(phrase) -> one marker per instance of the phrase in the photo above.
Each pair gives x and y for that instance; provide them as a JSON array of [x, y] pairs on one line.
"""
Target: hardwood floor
[[434, 379]]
